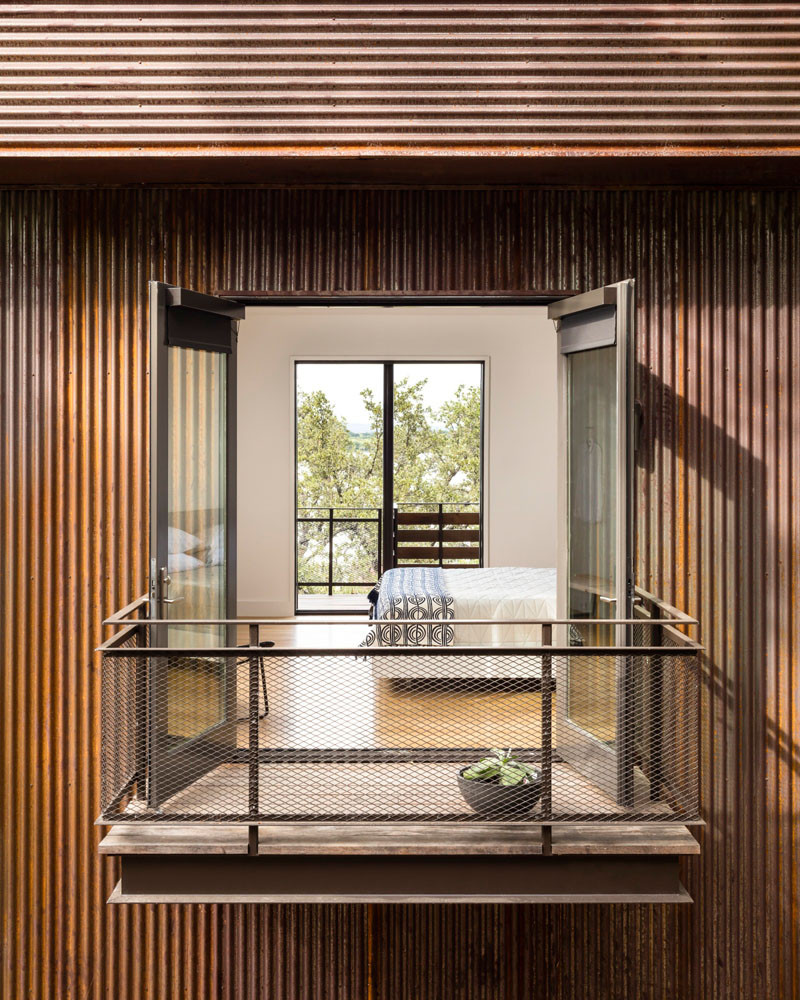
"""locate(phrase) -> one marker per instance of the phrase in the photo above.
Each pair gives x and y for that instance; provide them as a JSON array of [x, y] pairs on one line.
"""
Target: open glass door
[[193, 532], [596, 525]]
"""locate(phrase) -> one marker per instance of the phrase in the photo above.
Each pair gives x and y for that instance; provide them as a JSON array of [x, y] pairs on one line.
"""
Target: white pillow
[[179, 540], [215, 554], [181, 562]]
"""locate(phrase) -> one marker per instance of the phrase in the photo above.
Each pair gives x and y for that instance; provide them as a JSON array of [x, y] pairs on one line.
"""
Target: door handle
[[164, 580]]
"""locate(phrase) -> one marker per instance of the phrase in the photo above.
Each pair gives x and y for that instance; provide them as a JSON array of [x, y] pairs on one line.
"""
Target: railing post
[[252, 776], [141, 669], [330, 551], [656, 672], [380, 541], [441, 534], [547, 740]]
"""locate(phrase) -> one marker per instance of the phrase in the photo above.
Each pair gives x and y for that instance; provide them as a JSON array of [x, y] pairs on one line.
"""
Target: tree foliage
[[437, 456]]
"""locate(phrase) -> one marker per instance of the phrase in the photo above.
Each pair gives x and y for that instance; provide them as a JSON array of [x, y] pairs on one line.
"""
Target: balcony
[[337, 545], [314, 768]]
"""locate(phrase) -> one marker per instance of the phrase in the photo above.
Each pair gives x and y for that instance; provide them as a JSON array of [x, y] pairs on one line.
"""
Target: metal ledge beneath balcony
[[398, 863]]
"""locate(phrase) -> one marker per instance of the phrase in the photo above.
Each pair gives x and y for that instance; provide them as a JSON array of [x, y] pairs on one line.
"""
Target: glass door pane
[[596, 532], [437, 463], [196, 537], [196, 490], [592, 534], [339, 483], [191, 696]]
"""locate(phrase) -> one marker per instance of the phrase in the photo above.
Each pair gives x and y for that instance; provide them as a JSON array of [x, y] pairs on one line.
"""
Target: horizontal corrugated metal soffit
[[341, 77]]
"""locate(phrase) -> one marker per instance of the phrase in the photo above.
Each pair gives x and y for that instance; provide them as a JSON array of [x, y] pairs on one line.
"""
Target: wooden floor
[[447, 704], [317, 630], [349, 701], [346, 702], [381, 790]]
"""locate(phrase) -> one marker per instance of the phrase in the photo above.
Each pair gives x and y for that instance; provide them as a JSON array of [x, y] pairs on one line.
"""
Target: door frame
[[388, 299], [159, 452], [193, 757], [618, 294], [586, 752]]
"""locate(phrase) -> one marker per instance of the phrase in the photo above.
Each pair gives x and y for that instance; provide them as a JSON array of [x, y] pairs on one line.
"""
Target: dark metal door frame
[[164, 297], [181, 318], [586, 752], [388, 299]]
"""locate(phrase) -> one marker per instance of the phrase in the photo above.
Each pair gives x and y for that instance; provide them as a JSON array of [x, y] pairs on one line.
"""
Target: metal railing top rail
[[338, 520], [122, 618], [682, 644], [400, 621], [691, 648], [329, 506], [437, 503]]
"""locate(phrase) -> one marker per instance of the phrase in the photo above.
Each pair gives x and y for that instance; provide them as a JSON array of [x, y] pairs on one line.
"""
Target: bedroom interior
[[510, 633], [511, 342]]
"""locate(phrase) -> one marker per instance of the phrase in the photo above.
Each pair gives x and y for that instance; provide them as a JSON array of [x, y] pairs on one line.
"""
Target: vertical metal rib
[[718, 282]]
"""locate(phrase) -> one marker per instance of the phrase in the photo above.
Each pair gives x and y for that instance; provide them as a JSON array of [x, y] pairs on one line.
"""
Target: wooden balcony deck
[[396, 838], [398, 863], [330, 831]]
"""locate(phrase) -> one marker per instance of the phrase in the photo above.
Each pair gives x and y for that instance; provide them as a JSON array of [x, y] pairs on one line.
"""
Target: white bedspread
[[501, 592]]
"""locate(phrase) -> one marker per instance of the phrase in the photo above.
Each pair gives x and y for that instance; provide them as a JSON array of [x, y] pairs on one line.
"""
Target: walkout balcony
[[283, 761], [336, 544]]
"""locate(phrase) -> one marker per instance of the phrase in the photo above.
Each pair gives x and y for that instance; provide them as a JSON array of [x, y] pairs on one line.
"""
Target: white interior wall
[[518, 346]]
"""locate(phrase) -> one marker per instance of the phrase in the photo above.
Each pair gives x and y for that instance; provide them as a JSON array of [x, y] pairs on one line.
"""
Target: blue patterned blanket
[[418, 593]]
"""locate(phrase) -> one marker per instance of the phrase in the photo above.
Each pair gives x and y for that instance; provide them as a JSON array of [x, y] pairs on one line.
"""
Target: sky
[[342, 384]]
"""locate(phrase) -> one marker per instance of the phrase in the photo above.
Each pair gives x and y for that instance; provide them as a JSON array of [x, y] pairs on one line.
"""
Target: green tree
[[436, 458], [457, 449]]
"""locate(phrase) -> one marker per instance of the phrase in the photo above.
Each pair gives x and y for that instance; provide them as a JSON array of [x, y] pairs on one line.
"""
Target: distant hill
[[362, 441]]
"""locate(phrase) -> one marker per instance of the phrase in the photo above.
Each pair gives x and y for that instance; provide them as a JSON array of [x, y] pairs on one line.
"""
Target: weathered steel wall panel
[[280, 77], [719, 371]]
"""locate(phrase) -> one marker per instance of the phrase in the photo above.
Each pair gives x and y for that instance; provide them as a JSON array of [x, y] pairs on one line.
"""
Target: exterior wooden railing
[[423, 534], [445, 535]]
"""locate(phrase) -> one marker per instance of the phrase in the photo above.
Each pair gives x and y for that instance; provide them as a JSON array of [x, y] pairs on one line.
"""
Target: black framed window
[[388, 471]]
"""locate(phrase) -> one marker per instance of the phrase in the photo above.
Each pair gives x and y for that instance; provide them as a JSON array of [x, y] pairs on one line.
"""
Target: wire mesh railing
[[537, 734], [337, 542]]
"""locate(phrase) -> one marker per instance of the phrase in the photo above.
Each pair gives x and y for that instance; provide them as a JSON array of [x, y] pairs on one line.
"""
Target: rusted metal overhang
[[571, 93]]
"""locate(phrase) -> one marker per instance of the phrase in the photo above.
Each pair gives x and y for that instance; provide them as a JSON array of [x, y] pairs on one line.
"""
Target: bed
[[435, 599]]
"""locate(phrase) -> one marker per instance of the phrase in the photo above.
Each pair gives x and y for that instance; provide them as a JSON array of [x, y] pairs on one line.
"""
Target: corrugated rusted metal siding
[[719, 370], [398, 76]]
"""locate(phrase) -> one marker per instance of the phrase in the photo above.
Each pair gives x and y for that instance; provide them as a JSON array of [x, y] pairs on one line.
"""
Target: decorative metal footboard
[[578, 733]]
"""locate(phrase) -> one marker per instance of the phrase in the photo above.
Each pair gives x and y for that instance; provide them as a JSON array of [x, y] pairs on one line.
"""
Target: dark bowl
[[496, 801]]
